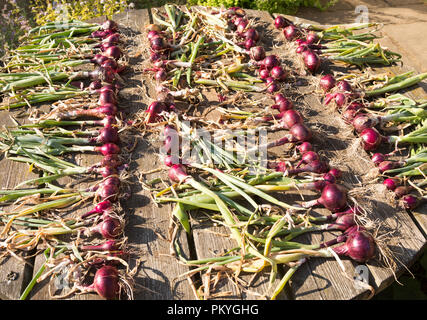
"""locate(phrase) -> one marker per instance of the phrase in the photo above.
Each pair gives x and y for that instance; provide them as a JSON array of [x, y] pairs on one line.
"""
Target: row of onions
[[55, 64], [381, 117], [220, 49]]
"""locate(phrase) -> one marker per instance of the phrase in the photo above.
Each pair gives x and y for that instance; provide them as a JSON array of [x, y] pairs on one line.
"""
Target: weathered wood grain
[[14, 273], [335, 140], [148, 227]]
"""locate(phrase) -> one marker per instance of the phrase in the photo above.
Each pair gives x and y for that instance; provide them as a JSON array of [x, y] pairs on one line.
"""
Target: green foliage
[[13, 24], [45, 11], [273, 6]]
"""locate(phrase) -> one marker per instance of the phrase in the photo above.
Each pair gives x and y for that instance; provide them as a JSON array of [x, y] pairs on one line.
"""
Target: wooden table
[[149, 228]]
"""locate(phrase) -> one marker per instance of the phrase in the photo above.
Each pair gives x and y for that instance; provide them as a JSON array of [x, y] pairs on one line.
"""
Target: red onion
[[109, 245], [329, 178], [107, 96], [311, 61], [108, 192], [279, 97], [238, 20], [112, 64], [107, 171], [249, 43], [344, 86], [153, 110], [327, 82], [278, 73], [105, 46], [99, 59], [113, 52], [401, 191], [257, 53], [113, 38], [177, 173], [349, 114], [336, 173], [155, 56], [106, 282], [242, 26], [108, 134], [315, 166], [273, 87], [308, 157], [305, 147], [109, 228], [152, 34], [283, 105], [100, 33], [98, 209], [106, 109], [363, 121], [391, 184], [290, 32], [377, 158], [157, 44], [252, 34], [161, 75], [290, 118], [269, 80], [103, 74], [109, 25], [270, 62], [360, 246], [302, 48], [371, 139], [300, 133], [410, 202], [111, 181], [264, 74], [333, 198], [343, 222], [108, 148], [94, 85], [311, 38], [111, 160], [388, 165], [280, 22]]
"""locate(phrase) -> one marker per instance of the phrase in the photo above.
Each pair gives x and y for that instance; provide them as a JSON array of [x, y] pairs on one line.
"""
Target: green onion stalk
[[344, 32], [366, 54], [358, 245], [234, 188], [28, 98], [414, 165], [27, 80], [61, 201], [22, 145], [396, 85], [53, 168]]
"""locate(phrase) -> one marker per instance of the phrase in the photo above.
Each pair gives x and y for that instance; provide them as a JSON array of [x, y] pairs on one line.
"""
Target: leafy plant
[[276, 6], [13, 24], [45, 11]]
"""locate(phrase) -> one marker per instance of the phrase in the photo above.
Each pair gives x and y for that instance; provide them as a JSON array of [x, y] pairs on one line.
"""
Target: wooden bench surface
[[149, 227]]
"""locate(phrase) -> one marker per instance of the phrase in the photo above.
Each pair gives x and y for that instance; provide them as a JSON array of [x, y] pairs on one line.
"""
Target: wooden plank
[[418, 92], [148, 225], [210, 241], [14, 273], [318, 278], [155, 277], [335, 142]]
